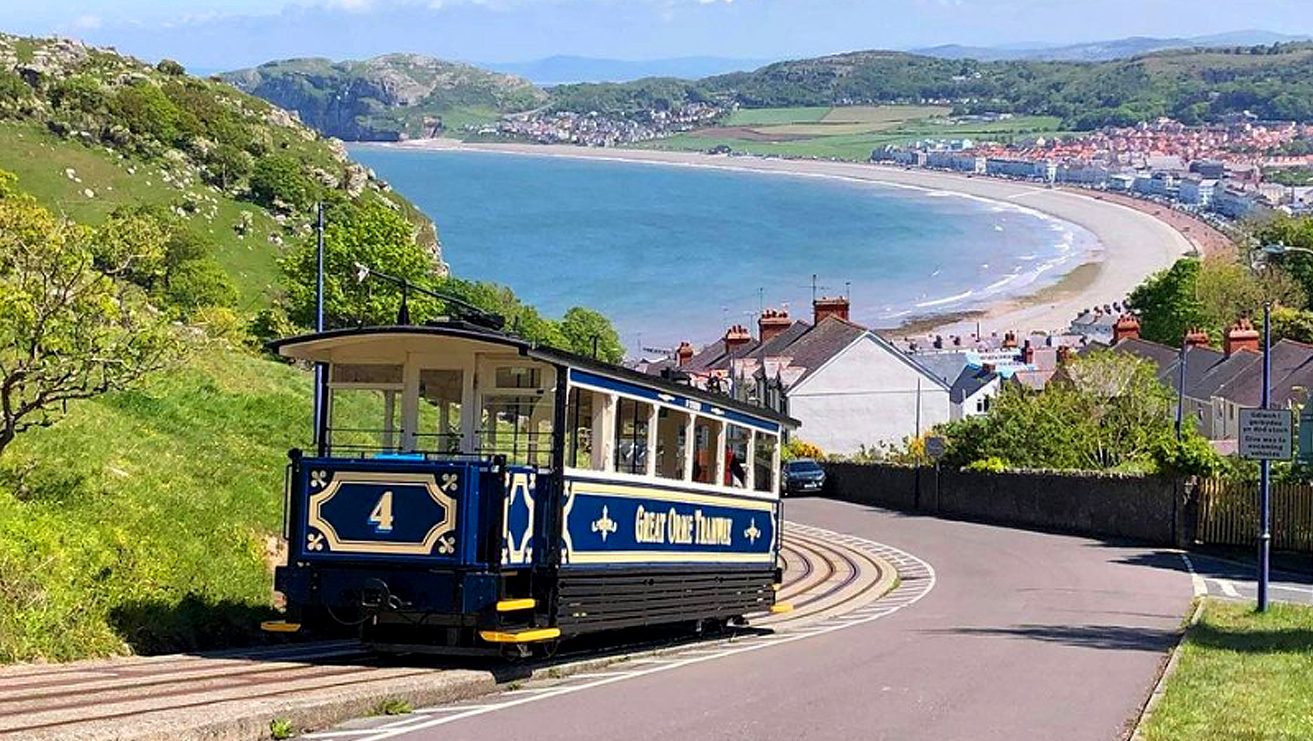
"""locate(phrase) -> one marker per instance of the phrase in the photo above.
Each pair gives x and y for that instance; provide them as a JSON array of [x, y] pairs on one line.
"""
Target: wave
[[946, 300]]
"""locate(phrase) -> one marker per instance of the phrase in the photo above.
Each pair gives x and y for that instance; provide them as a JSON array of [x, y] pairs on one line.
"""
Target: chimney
[[1197, 338], [1028, 353], [1009, 341], [1126, 328], [683, 354], [1242, 336], [827, 307], [1064, 354], [772, 323], [737, 336]]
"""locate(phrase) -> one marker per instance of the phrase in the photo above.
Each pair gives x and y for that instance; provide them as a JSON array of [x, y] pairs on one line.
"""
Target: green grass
[[146, 520], [40, 160], [856, 141], [1243, 676], [769, 116]]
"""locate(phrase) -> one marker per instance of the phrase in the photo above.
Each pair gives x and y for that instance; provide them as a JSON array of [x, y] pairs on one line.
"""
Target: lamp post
[[1265, 473]]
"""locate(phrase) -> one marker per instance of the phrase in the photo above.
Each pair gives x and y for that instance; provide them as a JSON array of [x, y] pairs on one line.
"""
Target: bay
[[676, 253]]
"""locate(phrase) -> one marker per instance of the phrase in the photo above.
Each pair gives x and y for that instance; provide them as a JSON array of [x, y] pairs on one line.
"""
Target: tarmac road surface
[[1023, 636]]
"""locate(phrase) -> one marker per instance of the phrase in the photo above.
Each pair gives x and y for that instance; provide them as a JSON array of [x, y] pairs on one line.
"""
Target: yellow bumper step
[[782, 607], [512, 605], [523, 636], [279, 626]]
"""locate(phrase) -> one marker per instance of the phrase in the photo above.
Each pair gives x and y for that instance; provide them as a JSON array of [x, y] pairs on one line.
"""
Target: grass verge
[[146, 521], [1242, 676]]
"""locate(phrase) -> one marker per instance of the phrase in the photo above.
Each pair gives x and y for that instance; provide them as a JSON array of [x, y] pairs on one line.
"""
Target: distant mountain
[[1101, 51], [396, 96], [560, 70]]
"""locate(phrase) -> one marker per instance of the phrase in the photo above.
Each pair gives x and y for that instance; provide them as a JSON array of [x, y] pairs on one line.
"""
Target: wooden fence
[[1228, 514]]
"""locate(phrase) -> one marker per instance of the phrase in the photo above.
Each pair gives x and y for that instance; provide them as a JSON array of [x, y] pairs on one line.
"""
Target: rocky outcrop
[[387, 98]]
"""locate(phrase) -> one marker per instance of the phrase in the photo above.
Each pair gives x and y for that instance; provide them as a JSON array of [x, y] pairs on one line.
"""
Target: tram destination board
[[1265, 434]]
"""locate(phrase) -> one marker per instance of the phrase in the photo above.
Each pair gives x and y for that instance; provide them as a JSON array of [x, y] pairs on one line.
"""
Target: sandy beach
[[1133, 243]]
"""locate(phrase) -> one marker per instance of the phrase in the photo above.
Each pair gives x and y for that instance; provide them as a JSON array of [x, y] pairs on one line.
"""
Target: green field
[[1243, 677], [849, 133], [41, 161], [769, 116]]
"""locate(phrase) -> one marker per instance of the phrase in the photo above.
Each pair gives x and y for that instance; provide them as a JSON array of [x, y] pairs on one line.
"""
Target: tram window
[[705, 434], [518, 426], [581, 421], [631, 422], [518, 377], [736, 457], [763, 461], [363, 421], [364, 409], [672, 429], [438, 428]]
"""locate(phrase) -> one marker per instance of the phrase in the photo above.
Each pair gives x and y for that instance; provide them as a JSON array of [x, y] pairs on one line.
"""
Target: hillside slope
[[1274, 82], [396, 96], [88, 130]]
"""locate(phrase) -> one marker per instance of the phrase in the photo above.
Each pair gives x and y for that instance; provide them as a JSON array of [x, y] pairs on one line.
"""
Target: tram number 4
[[381, 517]]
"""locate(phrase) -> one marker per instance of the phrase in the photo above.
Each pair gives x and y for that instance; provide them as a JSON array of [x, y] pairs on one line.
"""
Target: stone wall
[[1149, 509]]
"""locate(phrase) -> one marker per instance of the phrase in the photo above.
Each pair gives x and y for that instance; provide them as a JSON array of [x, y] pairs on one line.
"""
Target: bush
[[993, 464], [797, 448], [170, 67], [280, 180], [198, 283]]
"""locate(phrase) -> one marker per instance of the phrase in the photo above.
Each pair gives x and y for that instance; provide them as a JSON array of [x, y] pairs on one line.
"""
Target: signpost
[[935, 447], [1265, 434]]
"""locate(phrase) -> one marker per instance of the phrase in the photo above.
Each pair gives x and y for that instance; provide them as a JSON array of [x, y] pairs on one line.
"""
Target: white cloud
[[87, 22]]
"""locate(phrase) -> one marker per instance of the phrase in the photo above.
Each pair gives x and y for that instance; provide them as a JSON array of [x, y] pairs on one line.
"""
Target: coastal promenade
[[1133, 243]]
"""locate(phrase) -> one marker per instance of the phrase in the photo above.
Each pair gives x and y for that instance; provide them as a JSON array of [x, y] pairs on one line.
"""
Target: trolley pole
[[1265, 473], [319, 327]]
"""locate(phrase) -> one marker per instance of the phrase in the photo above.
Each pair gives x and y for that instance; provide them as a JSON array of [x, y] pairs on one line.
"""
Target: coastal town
[[1228, 170]]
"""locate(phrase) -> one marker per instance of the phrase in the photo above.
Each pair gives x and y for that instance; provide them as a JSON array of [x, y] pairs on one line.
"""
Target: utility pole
[[321, 445], [1265, 473], [1180, 391]]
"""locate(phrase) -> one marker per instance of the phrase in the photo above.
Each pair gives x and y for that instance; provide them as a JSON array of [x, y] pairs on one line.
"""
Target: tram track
[[822, 577]]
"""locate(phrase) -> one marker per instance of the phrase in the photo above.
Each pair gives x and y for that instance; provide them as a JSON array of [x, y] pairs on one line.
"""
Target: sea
[[677, 253]]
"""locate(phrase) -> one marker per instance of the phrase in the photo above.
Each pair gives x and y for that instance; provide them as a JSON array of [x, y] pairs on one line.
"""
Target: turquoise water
[[677, 253]]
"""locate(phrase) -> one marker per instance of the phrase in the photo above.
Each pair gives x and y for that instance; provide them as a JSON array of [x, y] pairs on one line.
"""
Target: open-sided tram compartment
[[461, 550]]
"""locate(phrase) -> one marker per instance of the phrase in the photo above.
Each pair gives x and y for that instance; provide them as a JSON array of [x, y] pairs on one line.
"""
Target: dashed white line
[[1227, 587]]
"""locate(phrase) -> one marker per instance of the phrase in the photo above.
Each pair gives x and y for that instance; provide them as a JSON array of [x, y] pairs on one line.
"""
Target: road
[[1231, 580], [1023, 636]]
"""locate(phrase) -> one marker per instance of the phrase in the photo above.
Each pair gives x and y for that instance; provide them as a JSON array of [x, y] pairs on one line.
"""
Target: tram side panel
[[637, 554]]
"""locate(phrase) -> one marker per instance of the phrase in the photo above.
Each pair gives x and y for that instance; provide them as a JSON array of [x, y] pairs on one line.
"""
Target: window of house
[[439, 424], [364, 409], [705, 435], [736, 456], [672, 445], [582, 416], [631, 424], [763, 461]]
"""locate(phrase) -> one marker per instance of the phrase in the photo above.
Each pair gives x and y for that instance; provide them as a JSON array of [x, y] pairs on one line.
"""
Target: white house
[[869, 392]]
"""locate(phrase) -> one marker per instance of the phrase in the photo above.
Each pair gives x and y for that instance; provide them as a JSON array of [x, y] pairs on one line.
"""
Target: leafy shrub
[[280, 180], [170, 67], [992, 464], [798, 448], [198, 283]]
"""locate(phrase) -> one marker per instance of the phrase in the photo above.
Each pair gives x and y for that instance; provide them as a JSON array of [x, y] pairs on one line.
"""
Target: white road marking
[[920, 586], [1302, 590], [1197, 581], [1227, 587]]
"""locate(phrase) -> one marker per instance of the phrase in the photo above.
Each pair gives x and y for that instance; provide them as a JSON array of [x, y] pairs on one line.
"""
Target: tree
[[170, 67], [581, 328], [375, 236], [68, 330], [1103, 411], [196, 284], [278, 181], [1228, 291], [1167, 303]]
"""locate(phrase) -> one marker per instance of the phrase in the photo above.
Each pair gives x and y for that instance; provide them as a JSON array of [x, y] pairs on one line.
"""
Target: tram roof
[[467, 331]]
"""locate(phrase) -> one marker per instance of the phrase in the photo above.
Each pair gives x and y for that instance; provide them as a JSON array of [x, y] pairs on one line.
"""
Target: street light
[[1281, 248]]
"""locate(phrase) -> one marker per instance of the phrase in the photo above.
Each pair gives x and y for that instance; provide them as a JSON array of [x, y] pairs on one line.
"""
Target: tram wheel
[[547, 649]]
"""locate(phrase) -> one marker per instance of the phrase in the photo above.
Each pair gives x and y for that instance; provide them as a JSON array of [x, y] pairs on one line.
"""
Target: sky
[[227, 34]]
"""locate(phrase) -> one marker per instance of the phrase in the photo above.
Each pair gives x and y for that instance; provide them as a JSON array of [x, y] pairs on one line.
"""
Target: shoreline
[[1132, 243]]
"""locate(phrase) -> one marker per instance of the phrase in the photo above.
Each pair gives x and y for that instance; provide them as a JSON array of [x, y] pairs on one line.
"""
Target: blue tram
[[472, 492]]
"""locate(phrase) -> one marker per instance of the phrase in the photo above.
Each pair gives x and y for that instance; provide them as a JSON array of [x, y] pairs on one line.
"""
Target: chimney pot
[[1197, 338], [772, 323], [1241, 336], [737, 336], [683, 354], [823, 308], [1126, 328]]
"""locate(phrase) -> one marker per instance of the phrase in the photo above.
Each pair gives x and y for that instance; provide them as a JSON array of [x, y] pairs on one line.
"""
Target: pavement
[[1220, 577], [1010, 635]]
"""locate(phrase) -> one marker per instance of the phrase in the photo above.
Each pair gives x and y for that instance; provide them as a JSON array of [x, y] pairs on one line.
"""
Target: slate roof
[[947, 366], [824, 341], [968, 382], [1289, 359], [1163, 357]]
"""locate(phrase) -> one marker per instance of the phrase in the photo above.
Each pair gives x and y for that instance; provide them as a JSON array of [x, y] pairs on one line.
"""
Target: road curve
[[1024, 636]]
